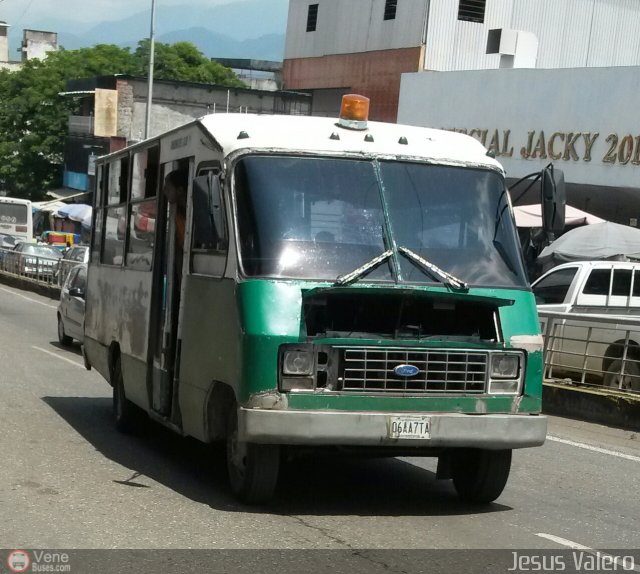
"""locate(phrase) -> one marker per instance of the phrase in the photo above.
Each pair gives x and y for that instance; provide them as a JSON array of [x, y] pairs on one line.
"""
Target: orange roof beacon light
[[354, 112]]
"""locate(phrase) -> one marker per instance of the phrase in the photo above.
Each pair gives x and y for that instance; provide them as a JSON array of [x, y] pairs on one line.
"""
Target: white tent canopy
[[601, 241], [531, 216]]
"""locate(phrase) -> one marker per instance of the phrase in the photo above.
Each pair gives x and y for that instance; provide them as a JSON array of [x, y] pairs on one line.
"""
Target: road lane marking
[[576, 546], [595, 448], [27, 298], [58, 356]]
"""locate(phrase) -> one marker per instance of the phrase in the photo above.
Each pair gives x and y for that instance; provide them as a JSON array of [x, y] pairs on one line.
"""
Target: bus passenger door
[[165, 306]]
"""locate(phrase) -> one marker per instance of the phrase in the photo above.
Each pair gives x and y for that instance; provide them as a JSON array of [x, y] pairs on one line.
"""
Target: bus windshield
[[323, 218]]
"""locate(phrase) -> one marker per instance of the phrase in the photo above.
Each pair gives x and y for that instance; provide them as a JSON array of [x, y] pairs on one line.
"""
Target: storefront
[[584, 120]]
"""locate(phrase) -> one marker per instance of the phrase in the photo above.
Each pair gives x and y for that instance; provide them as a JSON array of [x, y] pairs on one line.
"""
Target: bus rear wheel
[[123, 409], [253, 468], [479, 476]]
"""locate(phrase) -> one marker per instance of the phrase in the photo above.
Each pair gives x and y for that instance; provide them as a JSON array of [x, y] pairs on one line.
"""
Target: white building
[[336, 46], [536, 81], [35, 44]]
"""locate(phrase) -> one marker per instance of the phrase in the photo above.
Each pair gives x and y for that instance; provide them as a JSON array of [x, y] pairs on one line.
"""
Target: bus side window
[[209, 245]]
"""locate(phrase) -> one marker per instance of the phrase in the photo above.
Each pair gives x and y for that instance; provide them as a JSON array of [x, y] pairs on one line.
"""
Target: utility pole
[[147, 124]]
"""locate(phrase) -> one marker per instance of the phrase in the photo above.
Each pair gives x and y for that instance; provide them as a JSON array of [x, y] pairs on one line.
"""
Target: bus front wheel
[[479, 476], [252, 468]]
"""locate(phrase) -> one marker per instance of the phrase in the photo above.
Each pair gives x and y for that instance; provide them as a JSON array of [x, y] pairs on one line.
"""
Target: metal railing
[[37, 268], [594, 350]]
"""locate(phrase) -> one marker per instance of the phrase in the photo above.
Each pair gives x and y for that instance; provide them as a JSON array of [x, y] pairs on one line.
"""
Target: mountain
[[214, 45], [248, 29]]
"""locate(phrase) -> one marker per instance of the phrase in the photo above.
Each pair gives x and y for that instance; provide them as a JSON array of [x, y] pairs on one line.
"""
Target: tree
[[33, 116], [182, 61]]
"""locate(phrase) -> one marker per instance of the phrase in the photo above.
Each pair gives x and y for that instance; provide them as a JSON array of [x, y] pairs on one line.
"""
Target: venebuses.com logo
[[38, 561], [18, 561]]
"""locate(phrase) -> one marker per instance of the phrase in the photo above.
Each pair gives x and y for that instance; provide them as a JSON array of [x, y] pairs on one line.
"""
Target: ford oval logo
[[406, 370]]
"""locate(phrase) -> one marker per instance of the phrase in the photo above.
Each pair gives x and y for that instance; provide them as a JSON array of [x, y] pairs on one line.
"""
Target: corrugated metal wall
[[571, 33], [352, 26]]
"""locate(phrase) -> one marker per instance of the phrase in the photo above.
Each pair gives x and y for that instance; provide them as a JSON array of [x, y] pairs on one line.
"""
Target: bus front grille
[[436, 371]]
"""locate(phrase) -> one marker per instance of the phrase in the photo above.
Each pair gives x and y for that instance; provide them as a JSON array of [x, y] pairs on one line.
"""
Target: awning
[[66, 193], [47, 206], [77, 93], [530, 216]]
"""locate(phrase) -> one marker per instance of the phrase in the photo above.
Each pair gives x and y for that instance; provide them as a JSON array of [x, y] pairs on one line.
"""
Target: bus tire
[[479, 476], [124, 413], [252, 468], [64, 339]]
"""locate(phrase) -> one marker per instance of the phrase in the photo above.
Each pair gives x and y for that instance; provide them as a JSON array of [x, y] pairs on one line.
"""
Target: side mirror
[[76, 292], [553, 199], [208, 215]]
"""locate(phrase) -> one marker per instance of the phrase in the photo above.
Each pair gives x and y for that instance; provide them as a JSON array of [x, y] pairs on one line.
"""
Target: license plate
[[409, 427]]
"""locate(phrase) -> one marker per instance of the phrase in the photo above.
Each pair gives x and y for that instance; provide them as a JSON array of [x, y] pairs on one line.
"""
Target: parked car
[[598, 288], [71, 258], [7, 242], [31, 260], [71, 306]]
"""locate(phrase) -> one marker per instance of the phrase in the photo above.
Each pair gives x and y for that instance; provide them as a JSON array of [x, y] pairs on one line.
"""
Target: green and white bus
[[339, 283]]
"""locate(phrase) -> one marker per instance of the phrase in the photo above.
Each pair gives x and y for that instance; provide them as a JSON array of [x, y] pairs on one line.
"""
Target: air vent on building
[[390, 8], [312, 17], [472, 10], [517, 48]]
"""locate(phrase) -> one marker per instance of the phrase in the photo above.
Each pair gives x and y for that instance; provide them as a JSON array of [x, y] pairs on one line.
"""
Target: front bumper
[[488, 431]]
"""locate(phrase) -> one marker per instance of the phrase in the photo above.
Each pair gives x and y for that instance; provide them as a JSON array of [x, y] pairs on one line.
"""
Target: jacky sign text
[[622, 149]]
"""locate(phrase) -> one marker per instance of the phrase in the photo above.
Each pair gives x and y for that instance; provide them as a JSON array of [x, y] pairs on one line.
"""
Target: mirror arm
[[537, 174]]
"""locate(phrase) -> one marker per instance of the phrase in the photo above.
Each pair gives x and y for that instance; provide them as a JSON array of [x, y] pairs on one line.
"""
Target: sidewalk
[[591, 404], [51, 291]]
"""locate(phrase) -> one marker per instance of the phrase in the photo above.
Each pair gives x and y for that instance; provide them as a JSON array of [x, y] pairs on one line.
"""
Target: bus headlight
[[505, 366], [299, 363], [506, 373]]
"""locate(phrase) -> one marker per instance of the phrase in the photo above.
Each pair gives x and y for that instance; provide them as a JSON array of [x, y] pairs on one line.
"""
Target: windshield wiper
[[364, 269], [435, 271]]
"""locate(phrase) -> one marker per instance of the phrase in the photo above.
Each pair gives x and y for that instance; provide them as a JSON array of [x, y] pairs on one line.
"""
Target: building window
[[472, 10], [312, 17], [390, 7]]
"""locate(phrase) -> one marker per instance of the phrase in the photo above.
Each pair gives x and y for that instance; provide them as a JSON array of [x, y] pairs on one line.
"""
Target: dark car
[[32, 260], [71, 307]]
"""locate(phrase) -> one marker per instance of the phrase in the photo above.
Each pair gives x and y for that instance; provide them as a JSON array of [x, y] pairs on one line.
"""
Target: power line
[[23, 13]]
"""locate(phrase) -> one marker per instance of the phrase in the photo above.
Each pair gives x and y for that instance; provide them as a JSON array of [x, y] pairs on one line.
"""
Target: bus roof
[[235, 132], [6, 199]]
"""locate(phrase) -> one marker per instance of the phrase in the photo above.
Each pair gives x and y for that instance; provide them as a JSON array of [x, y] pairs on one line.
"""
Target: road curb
[[53, 292], [610, 408]]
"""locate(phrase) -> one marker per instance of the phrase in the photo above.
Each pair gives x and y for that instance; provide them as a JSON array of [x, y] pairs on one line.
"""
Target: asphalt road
[[69, 480]]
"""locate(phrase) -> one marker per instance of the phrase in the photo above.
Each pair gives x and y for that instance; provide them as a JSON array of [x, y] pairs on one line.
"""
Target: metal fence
[[594, 350], [37, 268]]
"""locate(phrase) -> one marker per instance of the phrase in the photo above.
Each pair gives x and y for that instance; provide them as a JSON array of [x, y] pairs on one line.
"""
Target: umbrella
[[75, 211], [86, 222], [530, 216], [599, 241]]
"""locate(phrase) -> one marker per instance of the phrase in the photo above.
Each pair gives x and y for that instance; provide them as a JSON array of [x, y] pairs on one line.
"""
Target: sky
[[25, 13]]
